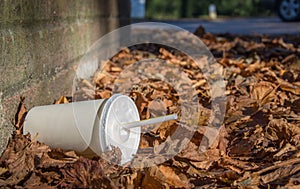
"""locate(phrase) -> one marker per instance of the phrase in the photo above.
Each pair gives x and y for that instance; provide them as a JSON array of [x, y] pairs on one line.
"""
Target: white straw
[[150, 121]]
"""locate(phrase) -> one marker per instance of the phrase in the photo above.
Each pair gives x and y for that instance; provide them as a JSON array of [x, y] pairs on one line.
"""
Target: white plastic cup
[[94, 125]]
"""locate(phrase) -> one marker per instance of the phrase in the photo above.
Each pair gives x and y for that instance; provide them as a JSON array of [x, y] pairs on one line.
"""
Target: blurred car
[[287, 10]]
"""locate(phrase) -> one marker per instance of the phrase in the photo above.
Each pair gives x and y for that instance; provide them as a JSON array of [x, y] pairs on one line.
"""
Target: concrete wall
[[40, 43]]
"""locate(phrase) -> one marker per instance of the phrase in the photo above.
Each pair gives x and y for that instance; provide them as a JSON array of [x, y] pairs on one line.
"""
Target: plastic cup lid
[[118, 110]]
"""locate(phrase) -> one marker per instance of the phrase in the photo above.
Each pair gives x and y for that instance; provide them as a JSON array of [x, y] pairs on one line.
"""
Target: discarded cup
[[90, 127]]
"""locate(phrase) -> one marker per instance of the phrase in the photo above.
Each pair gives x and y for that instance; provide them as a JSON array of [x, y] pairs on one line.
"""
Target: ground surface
[[257, 146], [251, 26]]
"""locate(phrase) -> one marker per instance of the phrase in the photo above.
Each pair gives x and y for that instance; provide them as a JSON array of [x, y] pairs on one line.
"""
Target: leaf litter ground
[[257, 147]]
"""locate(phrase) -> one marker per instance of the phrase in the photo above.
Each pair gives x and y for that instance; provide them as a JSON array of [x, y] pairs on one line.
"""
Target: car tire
[[289, 10]]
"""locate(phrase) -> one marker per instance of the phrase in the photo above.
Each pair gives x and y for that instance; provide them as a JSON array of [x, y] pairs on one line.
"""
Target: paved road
[[240, 25]]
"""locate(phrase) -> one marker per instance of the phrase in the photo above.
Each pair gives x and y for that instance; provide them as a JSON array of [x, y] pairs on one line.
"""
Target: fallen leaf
[[201, 160], [140, 101], [263, 92], [20, 115], [115, 69], [296, 105], [62, 100], [3, 170], [290, 88], [103, 94], [167, 175]]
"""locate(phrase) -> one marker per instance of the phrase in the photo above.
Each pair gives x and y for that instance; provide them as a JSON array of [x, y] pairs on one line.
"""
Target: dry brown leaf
[[171, 147], [98, 76], [115, 69], [104, 94], [280, 130], [62, 100], [263, 92], [296, 105], [293, 183], [85, 173], [20, 115], [201, 160], [223, 140], [199, 83], [237, 165], [165, 129], [3, 170], [287, 148], [200, 31], [255, 66], [167, 175], [280, 171], [248, 181], [58, 158], [290, 59], [21, 157], [208, 157], [290, 88], [204, 116], [87, 83], [167, 54], [140, 101], [35, 182], [151, 182], [242, 147]]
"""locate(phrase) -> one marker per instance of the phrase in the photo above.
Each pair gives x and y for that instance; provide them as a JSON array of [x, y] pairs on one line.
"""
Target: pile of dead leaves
[[257, 146]]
